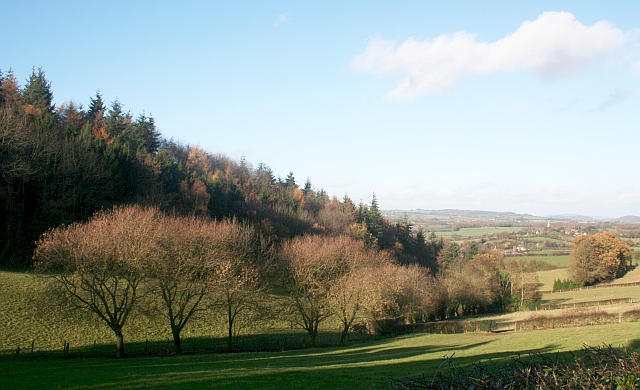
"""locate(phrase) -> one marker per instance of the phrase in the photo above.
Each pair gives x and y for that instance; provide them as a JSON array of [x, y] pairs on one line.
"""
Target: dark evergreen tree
[[117, 120], [361, 214], [148, 138], [472, 251], [290, 181], [403, 234], [37, 92], [96, 107], [307, 187], [374, 220]]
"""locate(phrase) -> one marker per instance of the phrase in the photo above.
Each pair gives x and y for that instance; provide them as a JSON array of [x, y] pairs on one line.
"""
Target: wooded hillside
[[61, 164]]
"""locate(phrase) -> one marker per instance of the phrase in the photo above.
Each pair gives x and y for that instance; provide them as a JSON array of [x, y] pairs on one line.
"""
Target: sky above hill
[[494, 105]]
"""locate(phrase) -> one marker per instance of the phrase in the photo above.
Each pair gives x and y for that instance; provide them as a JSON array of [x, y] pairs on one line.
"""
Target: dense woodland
[[61, 164], [117, 214]]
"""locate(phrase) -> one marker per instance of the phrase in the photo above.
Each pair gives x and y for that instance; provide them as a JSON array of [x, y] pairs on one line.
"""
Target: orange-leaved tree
[[599, 257]]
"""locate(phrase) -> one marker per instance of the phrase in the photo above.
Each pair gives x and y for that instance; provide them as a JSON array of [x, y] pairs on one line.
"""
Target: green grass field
[[556, 261], [27, 316], [548, 277], [359, 366], [596, 294]]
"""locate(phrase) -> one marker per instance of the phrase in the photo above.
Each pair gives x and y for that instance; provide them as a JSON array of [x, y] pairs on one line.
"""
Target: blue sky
[[492, 105]]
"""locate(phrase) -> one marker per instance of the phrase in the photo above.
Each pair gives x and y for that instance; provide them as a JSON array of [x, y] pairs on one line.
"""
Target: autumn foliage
[[599, 257]]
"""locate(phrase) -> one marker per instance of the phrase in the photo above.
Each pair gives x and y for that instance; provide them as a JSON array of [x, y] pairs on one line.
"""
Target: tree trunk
[[230, 336], [312, 339], [119, 342], [176, 340], [345, 333]]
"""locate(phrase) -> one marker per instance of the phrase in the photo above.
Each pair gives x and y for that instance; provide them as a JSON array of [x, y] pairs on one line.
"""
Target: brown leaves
[[599, 257]]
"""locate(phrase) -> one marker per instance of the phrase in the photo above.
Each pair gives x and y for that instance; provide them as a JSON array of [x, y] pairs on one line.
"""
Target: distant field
[[543, 239], [479, 232], [596, 294], [557, 261], [359, 366], [551, 251], [548, 277]]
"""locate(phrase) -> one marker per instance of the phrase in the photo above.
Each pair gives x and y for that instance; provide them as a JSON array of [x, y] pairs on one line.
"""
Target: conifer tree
[[374, 220], [290, 181], [37, 92], [307, 187], [96, 107]]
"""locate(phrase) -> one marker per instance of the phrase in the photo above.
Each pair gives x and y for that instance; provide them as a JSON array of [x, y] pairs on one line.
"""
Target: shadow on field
[[267, 342], [364, 366], [375, 368], [634, 345], [555, 301]]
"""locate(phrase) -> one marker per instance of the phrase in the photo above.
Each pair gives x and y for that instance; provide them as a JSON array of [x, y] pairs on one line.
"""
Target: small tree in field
[[100, 265]]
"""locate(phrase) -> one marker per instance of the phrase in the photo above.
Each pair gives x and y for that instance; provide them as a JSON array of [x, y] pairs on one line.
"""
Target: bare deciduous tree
[[348, 292], [200, 259], [313, 265], [100, 265], [238, 288]]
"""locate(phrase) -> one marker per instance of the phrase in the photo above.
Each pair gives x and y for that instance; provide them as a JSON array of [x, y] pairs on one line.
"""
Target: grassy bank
[[359, 366]]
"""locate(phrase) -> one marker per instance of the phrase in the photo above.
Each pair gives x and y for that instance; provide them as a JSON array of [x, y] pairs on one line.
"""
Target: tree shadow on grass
[[276, 341], [634, 345], [364, 365], [365, 369], [557, 301]]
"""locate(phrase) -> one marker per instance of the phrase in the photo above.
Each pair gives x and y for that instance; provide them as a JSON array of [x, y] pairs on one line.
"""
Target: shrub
[[566, 284]]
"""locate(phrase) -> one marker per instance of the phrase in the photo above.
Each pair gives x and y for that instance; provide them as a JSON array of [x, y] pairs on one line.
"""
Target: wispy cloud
[[552, 46], [282, 18], [614, 98]]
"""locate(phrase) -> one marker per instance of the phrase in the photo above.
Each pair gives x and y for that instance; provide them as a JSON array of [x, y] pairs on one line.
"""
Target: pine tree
[[307, 187], [117, 120], [290, 181], [403, 232], [149, 137], [37, 92], [374, 220], [96, 107]]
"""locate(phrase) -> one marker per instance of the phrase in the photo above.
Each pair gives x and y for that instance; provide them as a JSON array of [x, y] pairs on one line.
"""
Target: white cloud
[[282, 18], [554, 45]]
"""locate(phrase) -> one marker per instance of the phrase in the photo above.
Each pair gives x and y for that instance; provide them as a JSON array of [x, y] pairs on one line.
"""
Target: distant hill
[[629, 219], [578, 217], [586, 218], [495, 216], [459, 215]]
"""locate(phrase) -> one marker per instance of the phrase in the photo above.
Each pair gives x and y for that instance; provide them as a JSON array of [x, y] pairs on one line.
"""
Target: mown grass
[[359, 366]]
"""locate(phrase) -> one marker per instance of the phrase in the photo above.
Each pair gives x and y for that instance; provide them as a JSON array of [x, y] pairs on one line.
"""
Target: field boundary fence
[[533, 323], [592, 287]]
